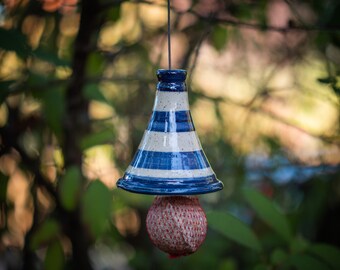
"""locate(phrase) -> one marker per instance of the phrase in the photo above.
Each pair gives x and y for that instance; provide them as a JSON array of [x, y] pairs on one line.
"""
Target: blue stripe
[[163, 186], [169, 186], [179, 121], [170, 160], [171, 87]]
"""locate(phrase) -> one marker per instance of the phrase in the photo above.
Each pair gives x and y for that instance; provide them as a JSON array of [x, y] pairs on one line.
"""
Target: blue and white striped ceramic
[[170, 159]]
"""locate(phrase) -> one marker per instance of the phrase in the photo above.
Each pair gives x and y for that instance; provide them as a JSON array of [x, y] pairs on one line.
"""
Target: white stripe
[[170, 173], [171, 101], [170, 141]]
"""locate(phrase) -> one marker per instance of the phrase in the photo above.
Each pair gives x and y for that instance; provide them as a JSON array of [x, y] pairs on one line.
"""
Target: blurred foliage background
[[77, 83]]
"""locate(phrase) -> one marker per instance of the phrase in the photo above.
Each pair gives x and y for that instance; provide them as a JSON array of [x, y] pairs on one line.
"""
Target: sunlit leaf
[[268, 212], [327, 253], [54, 258], [47, 231], [70, 186], [96, 207], [303, 262], [234, 229], [97, 138]]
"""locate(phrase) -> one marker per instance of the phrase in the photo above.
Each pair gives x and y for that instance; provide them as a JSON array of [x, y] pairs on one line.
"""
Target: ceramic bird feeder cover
[[170, 159]]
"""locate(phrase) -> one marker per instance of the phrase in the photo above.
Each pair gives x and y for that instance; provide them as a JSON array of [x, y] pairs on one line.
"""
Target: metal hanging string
[[169, 37]]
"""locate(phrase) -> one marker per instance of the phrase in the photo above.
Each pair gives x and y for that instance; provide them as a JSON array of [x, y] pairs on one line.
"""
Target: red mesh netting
[[176, 224]]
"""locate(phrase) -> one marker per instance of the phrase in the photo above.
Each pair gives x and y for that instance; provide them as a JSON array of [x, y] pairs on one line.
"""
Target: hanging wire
[[169, 37]]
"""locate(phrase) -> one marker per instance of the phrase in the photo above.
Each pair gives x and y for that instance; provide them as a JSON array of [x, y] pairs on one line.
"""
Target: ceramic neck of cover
[[170, 159]]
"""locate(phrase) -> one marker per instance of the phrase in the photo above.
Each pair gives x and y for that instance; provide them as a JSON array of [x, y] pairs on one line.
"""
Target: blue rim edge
[[169, 186]]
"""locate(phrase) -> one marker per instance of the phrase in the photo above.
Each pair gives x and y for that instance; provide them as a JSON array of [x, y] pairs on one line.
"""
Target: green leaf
[[327, 253], [303, 262], [113, 13], [95, 64], [278, 256], [54, 107], [55, 258], [37, 79], [97, 138], [261, 267], [227, 264], [219, 37], [45, 233], [70, 186], [13, 40], [268, 212], [298, 245], [50, 57], [234, 229], [96, 207], [92, 92]]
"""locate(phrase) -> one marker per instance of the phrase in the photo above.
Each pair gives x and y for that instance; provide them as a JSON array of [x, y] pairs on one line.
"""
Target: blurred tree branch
[[76, 121], [243, 24], [260, 110]]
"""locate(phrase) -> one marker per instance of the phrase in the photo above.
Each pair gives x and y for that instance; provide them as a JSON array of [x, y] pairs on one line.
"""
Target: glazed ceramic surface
[[170, 159]]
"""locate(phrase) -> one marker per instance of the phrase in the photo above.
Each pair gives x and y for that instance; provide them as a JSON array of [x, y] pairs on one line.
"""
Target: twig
[[196, 53], [260, 110]]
